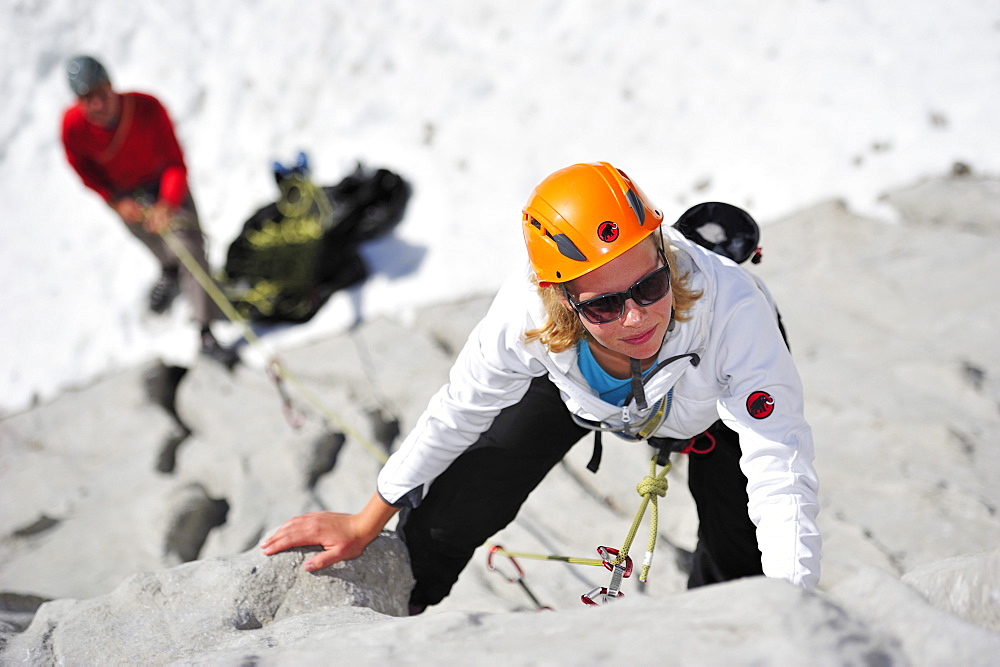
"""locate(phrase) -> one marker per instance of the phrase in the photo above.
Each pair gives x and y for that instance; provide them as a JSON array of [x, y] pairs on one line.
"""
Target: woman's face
[[639, 332]]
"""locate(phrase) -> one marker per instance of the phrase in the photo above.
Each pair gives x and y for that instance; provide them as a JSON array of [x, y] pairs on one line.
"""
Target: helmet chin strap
[[635, 370]]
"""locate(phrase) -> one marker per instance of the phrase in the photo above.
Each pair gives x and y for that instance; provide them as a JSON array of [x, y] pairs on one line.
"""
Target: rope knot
[[652, 485]]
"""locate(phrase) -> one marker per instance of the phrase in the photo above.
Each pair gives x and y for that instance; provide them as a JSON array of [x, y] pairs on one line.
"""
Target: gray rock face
[[184, 611], [250, 609], [893, 329], [967, 586], [754, 621], [966, 202], [927, 635], [193, 514], [16, 612]]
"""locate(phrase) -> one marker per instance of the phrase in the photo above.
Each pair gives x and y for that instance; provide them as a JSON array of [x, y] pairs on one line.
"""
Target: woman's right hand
[[342, 536]]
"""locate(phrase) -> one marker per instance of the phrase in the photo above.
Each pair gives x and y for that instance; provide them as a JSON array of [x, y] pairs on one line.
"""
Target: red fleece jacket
[[139, 151]]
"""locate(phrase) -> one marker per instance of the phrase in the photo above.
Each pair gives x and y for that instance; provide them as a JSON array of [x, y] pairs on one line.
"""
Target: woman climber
[[623, 325]]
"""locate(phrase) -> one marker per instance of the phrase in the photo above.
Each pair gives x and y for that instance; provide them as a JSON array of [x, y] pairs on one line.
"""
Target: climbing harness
[[633, 428], [692, 446]]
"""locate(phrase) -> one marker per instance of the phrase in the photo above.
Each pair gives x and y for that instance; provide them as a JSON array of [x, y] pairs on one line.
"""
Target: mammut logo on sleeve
[[760, 405], [607, 231]]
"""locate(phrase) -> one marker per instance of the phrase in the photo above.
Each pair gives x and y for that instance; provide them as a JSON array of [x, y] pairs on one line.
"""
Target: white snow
[[771, 106]]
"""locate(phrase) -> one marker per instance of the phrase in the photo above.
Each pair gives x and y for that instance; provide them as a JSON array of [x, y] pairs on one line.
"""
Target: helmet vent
[[636, 204], [563, 243], [567, 248]]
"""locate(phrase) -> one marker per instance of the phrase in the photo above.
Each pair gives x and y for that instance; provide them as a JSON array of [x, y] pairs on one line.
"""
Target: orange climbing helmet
[[582, 217]]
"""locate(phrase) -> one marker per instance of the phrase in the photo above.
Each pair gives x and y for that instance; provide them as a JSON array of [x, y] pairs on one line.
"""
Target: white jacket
[[743, 367]]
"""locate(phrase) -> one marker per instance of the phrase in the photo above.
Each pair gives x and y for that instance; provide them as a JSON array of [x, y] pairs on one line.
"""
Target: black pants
[[482, 491], [187, 229], [727, 539]]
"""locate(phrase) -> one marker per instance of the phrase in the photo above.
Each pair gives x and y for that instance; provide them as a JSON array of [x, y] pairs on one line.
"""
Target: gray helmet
[[84, 74]]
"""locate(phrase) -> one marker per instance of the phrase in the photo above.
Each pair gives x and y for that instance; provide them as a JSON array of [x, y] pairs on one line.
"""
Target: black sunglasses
[[609, 307]]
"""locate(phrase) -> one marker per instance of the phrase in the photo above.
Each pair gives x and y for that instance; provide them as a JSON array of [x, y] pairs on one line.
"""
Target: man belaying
[[123, 147]]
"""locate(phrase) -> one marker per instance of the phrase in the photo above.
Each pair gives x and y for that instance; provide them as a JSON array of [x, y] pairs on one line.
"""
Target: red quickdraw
[[691, 449], [519, 573], [606, 553], [517, 578], [601, 594], [292, 416], [598, 596]]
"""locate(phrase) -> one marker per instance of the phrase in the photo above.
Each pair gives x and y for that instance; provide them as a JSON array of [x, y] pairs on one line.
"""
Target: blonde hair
[[563, 328]]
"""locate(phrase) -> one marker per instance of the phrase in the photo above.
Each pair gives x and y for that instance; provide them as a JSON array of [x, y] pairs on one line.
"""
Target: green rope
[[652, 486], [562, 559], [274, 364]]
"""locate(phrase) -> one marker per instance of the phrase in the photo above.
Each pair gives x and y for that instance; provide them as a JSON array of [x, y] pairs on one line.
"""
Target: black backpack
[[294, 253], [722, 228]]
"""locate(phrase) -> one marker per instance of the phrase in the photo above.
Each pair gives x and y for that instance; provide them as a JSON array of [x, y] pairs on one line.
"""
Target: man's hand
[[129, 210], [158, 218], [342, 536]]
